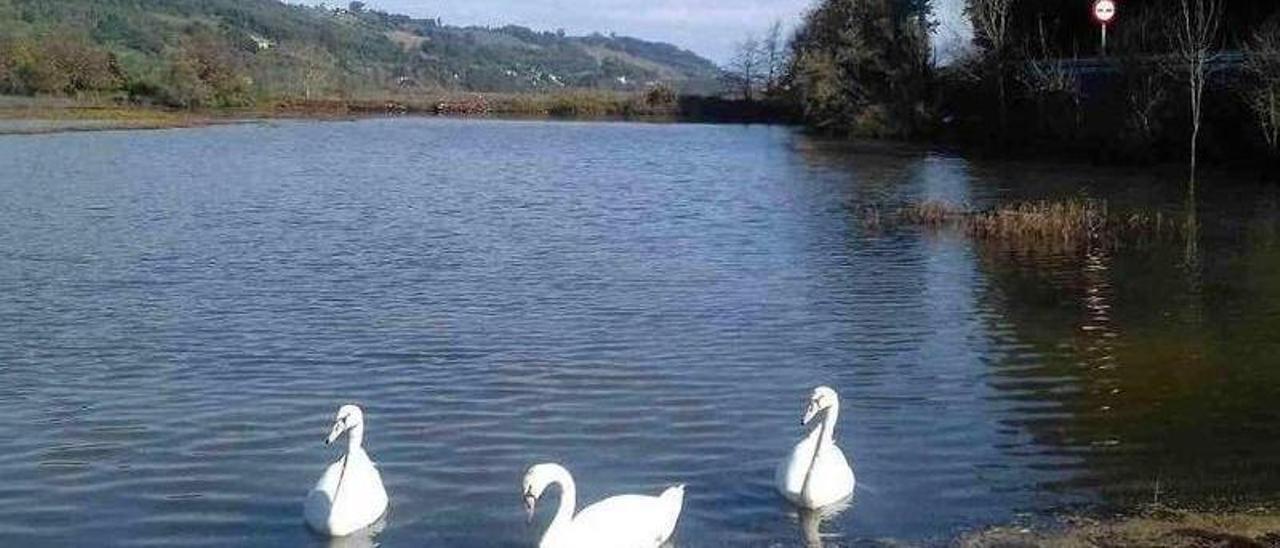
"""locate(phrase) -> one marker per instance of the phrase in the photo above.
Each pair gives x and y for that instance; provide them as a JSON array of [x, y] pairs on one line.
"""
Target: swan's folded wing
[[347, 498], [791, 472], [832, 477], [319, 504], [632, 521], [329, 480]]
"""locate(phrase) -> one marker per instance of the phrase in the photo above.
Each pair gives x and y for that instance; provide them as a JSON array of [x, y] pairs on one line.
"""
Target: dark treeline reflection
[[1148, 373], [1159, 375]]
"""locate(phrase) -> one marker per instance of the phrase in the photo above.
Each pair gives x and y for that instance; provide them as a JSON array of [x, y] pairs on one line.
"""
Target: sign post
[[1104, 11]]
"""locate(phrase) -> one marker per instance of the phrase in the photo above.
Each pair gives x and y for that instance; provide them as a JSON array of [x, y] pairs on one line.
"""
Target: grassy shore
[[1257, 528], [42, 115], [52, 114]]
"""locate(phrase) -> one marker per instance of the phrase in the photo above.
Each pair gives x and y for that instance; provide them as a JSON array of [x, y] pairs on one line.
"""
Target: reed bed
[[1068, 223]]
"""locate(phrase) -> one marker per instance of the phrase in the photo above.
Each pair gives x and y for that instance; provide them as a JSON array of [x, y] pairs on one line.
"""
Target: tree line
[[202, 71], [214, 53], [1178, 77]]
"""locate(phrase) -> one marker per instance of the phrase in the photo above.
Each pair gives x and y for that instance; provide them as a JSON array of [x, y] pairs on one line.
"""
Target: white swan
[[349, 496], [624, 521], [816, 473]]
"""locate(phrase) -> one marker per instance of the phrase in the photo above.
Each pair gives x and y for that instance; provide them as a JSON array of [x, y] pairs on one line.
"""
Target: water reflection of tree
[[1141, 374], [877, 173]]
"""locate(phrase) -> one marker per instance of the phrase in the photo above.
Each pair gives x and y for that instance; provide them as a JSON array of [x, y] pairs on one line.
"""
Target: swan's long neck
[[355, 438], [822, 436], [829, 424], [568, 501]]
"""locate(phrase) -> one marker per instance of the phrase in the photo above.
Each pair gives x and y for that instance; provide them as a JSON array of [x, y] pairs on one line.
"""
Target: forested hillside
[[234, 52]]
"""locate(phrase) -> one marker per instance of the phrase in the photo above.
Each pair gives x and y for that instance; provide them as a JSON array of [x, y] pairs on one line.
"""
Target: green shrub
[[65, 65]]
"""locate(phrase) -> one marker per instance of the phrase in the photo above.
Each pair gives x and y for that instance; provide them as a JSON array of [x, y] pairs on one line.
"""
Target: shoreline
[[42, 120], [43, 115], [46, 125], [43, 124], [28, 116], [1152, 526]]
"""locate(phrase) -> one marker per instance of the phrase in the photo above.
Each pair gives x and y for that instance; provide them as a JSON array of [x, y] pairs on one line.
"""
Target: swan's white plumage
[[816, 474], [637, 521], [623, 521], [349, 495]]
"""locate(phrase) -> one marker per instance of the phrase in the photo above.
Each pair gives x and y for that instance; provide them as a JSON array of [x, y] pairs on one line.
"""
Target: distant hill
[[228, 51]]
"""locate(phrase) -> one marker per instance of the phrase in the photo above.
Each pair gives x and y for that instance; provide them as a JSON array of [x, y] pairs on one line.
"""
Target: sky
[[707, 27]]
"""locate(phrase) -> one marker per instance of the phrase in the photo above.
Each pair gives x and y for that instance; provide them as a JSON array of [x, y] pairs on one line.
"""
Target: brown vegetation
[[67, 65], [1173, 529], [108, 112], [1075, 223]]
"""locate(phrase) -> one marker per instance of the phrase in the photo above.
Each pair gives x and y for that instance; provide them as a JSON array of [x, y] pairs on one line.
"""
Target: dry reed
[[1063, 224]]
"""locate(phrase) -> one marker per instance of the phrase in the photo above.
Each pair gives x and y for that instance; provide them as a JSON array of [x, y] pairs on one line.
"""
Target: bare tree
[[1193, 31], [771, 51], [1145, 93], [315, 71], [991, 21], [1046, 75], [1262, 62], [743, 71], [1145, 85]]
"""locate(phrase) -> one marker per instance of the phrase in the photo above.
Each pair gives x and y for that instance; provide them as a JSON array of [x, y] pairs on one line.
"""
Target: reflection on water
[[364, 538], [811, 521], [1157, 380], [180, 311]]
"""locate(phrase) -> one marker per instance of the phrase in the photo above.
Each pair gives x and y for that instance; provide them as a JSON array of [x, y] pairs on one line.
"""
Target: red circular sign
[[1104, 11]]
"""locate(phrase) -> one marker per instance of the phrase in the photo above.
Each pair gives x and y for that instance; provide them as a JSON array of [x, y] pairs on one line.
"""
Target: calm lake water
[[182, 312]]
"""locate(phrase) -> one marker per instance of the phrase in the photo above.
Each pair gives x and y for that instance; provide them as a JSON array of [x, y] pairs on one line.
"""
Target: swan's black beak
[[529, 502], [337, 430], [809, 413]]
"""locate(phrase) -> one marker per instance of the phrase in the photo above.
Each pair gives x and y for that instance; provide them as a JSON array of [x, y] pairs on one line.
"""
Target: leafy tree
[[6, 72], [84, 67], [69, 64], [825, 93], [204, 71], [864, 66]]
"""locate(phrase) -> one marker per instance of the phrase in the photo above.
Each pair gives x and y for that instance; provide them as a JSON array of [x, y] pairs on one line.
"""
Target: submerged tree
[[864, 66], [1193, 31]]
